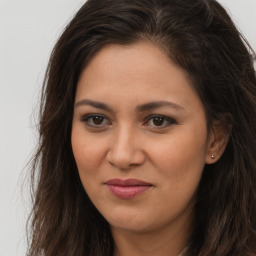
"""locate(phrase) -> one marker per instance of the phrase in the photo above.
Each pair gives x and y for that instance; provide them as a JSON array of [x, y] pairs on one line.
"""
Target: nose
[[125, 151]]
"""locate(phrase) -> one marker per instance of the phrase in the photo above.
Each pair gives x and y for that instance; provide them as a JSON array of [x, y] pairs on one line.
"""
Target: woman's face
[[139, 138]]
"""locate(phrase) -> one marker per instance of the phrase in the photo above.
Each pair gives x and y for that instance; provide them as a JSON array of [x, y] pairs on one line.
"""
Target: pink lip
[[127, 189]]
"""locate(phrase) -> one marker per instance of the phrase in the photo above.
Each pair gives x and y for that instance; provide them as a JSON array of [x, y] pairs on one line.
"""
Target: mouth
[[127, 189]]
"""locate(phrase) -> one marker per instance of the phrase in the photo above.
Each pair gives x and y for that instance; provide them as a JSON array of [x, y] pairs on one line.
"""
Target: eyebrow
[[139, 108], [94, 104], [158, 104]]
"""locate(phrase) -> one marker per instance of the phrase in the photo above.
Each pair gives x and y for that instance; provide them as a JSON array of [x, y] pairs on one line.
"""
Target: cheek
[[179, 164], [88, 157], [181, 159], [87, 154], [84, 147]]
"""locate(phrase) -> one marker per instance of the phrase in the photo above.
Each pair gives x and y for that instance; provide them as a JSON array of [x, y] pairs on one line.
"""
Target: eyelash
[[163, 118], [88, 119]]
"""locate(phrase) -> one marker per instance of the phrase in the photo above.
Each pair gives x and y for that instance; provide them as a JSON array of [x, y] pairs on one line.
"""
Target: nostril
[[125, 160]]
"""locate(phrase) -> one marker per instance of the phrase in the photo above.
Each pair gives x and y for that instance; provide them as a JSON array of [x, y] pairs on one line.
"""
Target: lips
[[127, 189]]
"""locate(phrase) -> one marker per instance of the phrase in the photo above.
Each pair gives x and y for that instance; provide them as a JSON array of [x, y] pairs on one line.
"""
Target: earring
[[212, 156]]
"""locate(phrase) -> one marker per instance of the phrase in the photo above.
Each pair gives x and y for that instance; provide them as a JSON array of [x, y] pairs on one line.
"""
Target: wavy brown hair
[[200, 37]]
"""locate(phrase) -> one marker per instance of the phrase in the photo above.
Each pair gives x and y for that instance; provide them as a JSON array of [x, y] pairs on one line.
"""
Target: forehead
[[140, 71]]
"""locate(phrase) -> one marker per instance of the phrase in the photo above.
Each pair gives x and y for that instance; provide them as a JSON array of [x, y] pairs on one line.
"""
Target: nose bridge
[[125, 150]]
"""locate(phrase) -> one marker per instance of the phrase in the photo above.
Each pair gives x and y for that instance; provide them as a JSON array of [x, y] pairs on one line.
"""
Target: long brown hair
[[200, 37]]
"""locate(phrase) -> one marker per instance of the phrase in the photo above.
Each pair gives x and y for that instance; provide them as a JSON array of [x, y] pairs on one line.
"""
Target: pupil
[[158, 121], [98, 120]]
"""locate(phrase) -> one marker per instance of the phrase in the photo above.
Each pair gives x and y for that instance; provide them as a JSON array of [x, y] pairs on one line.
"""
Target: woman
[[147, 134]]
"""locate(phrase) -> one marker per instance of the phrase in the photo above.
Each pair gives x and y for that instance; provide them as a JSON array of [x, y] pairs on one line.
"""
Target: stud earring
[[212, 156]]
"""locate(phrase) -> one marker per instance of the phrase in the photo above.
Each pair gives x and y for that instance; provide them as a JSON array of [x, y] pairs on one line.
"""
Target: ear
[[217, 141]]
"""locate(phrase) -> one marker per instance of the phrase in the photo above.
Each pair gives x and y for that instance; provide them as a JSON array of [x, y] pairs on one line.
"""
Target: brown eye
[[96, 120], [159, 121]]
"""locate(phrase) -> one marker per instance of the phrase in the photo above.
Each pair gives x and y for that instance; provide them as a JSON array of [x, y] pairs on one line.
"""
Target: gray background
[[28, 30]]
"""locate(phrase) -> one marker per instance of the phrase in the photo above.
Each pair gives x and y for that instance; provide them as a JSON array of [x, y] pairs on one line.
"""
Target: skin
[[125, 141]]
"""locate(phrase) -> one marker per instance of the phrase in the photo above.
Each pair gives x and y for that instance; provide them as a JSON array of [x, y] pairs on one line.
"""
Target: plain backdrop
[[28, 31]]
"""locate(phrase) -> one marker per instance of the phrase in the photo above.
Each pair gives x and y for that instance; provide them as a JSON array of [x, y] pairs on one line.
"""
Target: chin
[[131, 223]]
